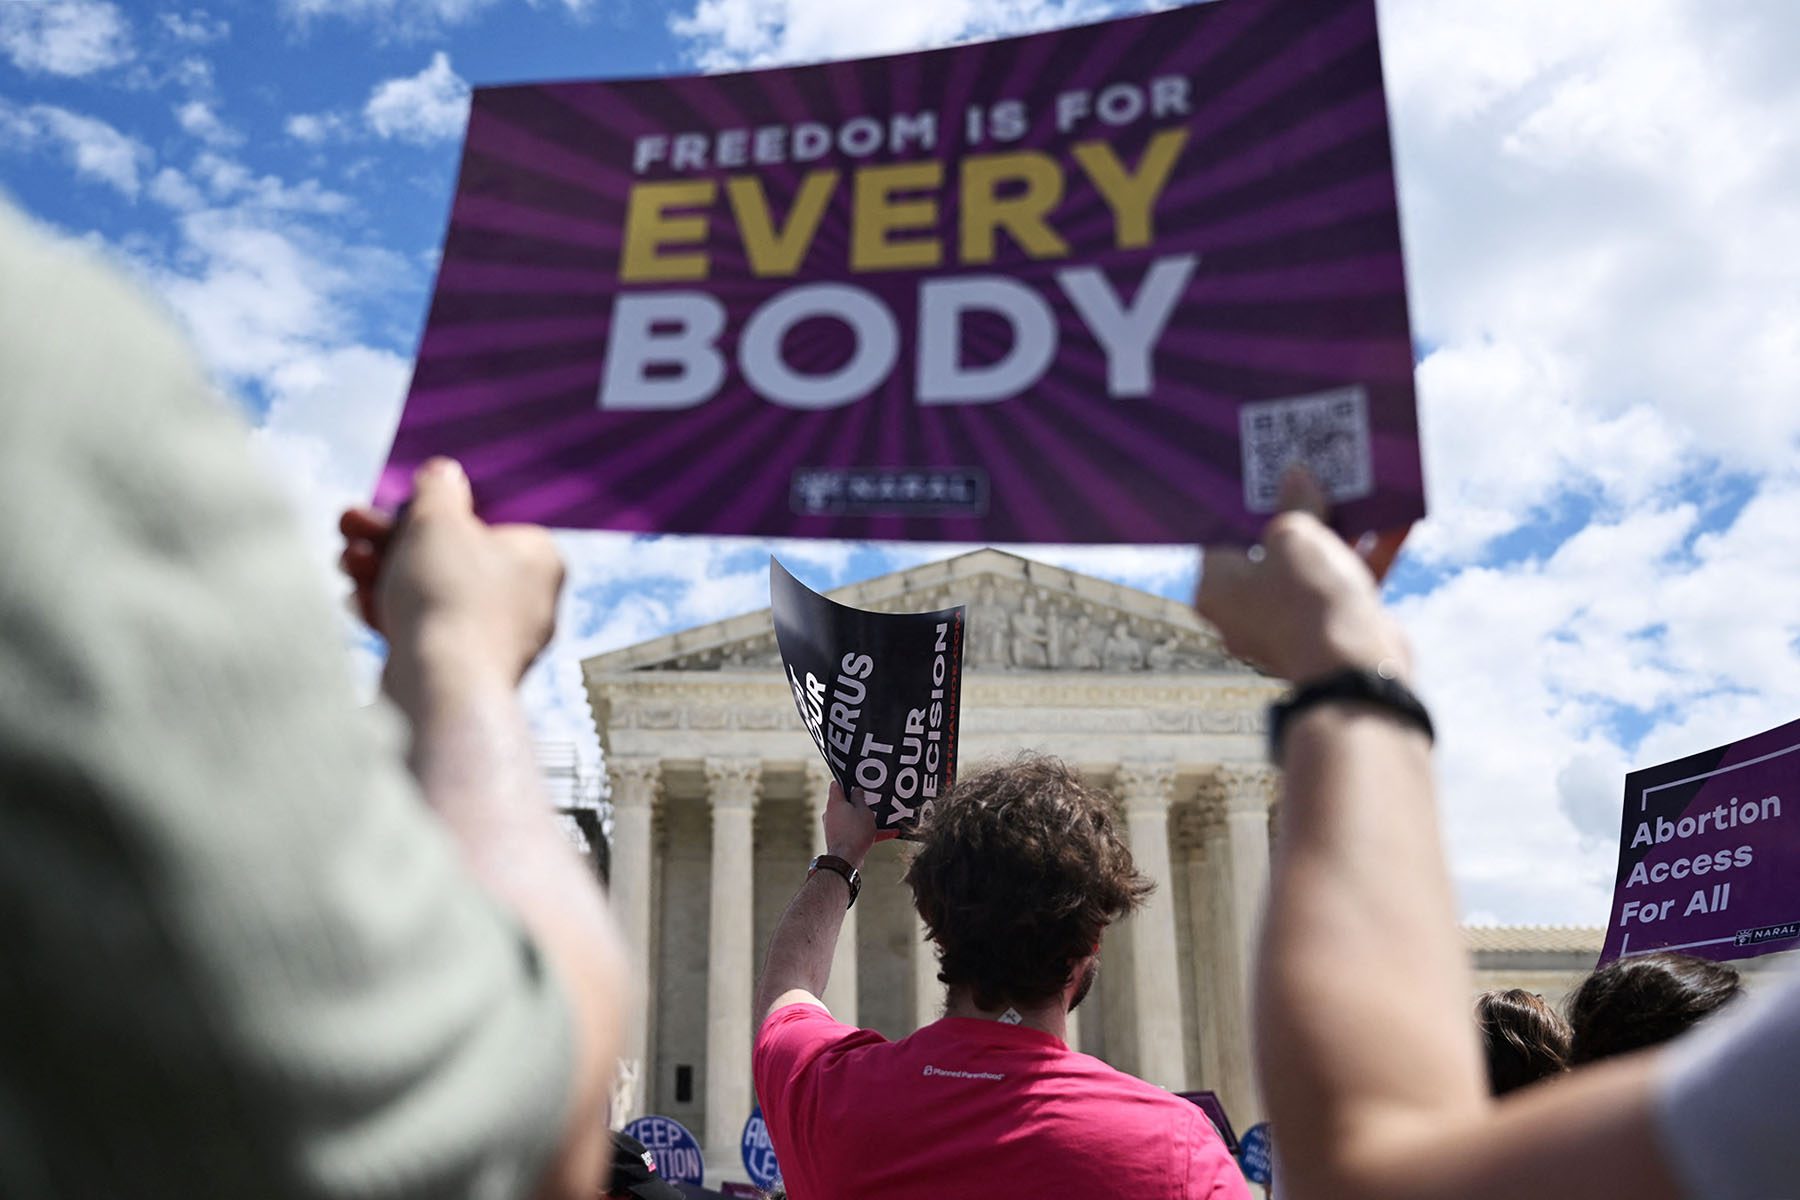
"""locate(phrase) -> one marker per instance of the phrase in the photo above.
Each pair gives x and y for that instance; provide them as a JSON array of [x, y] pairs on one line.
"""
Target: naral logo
[[878, 491], [1768, 933]]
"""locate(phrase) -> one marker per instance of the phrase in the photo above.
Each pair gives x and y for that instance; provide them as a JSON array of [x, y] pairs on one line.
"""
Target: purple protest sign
[[1095, 285], [1709, 853]]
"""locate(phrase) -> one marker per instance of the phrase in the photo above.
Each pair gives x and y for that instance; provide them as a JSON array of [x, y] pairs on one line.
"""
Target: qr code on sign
[[1327, 432]]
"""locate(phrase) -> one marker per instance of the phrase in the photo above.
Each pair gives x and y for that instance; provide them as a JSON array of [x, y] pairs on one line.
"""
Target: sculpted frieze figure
[[1123, 652], [988, 625], [1030, 637], [1084, 644], [1162, 656]]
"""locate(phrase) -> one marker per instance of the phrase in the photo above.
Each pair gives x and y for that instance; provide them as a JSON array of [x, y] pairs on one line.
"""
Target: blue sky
[[1602, 211]]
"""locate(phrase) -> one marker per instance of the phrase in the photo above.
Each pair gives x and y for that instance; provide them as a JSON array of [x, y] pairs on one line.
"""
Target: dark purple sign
[[1097, 285], [1709, 853], [1209, 1103]]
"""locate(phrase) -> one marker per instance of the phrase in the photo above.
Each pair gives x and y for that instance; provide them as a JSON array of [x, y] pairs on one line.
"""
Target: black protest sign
[[879, 694]]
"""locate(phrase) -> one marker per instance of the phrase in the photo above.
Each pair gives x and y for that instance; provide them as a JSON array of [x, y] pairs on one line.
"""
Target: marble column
[[1192, 843], [1145, 791], [1226, 990], [840, 990], [636, 785], [733, 786], [1242, 797]]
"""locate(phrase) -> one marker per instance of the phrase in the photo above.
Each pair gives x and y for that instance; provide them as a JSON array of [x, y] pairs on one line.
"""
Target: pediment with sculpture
[[1023, 616]]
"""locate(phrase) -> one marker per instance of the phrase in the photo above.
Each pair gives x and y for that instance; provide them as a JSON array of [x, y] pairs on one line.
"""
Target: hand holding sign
[[850, 827], [439, 572], [1303, 604]]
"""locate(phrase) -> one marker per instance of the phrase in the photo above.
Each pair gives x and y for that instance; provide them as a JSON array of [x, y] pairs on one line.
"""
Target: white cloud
[[724, 34], [196, 27], [198, 118], [258, 290], [253, 296], [1543, 674], [344, 400], [193, 73], [1592, 195], [271, 295], [415, 13], [90, 146], [64, 37], [172, 189], [411, 15], [428, 107], [230, 180], [330, 420], [315, 129], [1506, 432]]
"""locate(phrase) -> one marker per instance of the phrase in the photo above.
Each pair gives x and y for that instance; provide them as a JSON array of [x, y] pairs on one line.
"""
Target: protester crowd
[[255, 941], [1629, 1004]]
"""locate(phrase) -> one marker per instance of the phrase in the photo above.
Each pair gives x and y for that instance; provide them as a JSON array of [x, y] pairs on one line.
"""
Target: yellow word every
[[895, 212]]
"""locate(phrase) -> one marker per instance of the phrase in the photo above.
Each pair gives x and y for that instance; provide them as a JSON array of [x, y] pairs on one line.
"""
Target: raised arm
[[1365, 1047], [467, 608], [801, 948]]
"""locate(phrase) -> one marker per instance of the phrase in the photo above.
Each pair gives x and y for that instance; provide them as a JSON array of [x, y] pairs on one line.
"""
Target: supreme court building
[[716, 791]]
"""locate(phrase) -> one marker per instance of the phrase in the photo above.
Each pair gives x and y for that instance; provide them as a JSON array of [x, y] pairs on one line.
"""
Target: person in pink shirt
[[1018, 876]]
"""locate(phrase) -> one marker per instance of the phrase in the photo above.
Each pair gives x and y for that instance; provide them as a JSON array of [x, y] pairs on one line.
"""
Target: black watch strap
[[831, 862], [1355, 685]]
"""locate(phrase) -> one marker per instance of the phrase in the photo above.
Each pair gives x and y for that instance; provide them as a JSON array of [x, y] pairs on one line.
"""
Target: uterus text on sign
[[879, 694], [905, 779]]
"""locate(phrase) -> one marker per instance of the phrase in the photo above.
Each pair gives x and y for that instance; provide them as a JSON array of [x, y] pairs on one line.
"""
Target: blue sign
[[1256, 1154], [677, 1152], [759, 1151]]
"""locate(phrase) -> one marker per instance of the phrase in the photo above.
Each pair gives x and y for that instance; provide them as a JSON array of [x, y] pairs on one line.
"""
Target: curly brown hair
[[1018, 872]]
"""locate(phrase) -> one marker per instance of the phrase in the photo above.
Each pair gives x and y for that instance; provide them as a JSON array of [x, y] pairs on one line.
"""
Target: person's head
[[634, 1174], [1018, 873], [1637, 1002], [1526, 1040]]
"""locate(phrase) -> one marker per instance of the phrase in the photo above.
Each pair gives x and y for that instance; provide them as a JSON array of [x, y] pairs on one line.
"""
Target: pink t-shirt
[[976, 1110]]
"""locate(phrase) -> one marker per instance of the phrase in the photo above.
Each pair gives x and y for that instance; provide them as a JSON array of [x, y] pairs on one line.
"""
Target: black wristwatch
[[831, 862], [1356, 685]]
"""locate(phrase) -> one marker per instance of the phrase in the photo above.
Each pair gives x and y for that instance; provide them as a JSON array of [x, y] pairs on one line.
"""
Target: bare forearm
[[474, 758], [1366, 1042], [1365, 1036], [801, 949], [1364, 985]]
